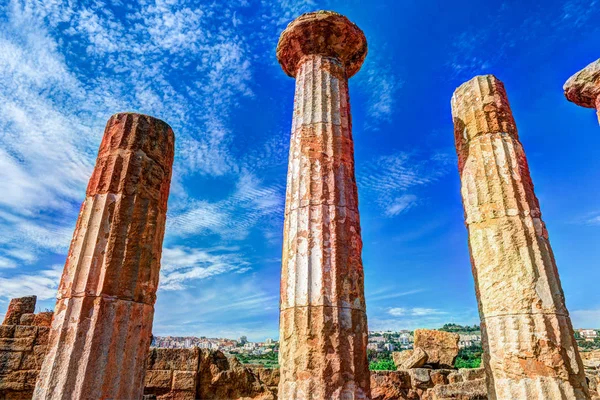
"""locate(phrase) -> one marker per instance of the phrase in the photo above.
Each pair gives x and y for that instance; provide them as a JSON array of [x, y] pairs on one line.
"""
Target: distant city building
[[588, 334], [388, 347], [468, 341]]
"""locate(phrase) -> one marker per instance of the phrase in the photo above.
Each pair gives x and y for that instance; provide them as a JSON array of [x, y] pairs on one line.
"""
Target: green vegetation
[[380, 361], [382, 365], [469, 357], [268, 360], [591, 345], [460, 328]]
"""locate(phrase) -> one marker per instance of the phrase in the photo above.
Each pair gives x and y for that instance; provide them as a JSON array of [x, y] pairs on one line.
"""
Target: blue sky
[[209, 70]]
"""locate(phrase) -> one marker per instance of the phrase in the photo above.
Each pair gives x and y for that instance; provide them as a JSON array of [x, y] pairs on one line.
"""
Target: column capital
[[324, 33], [583, 88]]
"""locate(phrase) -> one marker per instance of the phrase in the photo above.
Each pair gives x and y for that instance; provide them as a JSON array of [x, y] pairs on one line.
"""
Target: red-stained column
[[530, 350], [323, 322], [103, 317]]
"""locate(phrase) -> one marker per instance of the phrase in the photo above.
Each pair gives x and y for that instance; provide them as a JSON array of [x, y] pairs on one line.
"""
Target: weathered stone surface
[[27, 319], [322, 33], [226, 378], [43, 318], [420, 378], [323, 323], [400, 356], [529, 347], [441, 347], [583, 88], [17, 307], [416, 359], [103, 316], [470, 374], [471, 390], [390, 385]]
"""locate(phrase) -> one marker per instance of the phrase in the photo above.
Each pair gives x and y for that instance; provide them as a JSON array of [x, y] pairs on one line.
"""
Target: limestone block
[[441, 347], [470, 374], [22, 331], [455, 377], [42, 335], [471, 390], [7, 331], [417, 359], [27, 319], [43, 318], [389, 385], [158, 379], [173, 359], [10, 360], [18, 307], [420, 378], [184, 380], [439, 378], [17, 344], [400, 356]]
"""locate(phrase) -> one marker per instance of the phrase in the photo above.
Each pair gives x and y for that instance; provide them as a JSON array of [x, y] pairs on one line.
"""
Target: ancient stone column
[[323, 324], [17, 307], [102, 322], [529, 347], [583, 88]]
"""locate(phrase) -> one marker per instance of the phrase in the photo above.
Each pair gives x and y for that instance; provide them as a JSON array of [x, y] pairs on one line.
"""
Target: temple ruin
[[96, 343], [323, 320], [102, 323], [529, 346]]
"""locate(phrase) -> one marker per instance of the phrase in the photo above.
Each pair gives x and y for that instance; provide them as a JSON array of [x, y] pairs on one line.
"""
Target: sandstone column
[[583, 88], [103, 317], [323, 324], [530, 351]]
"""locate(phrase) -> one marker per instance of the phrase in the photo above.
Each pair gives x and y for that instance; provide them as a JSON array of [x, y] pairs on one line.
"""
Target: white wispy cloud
[[181, 265], [390, 293], [43, 284], [414, 312], [388, 180], [381, 83]]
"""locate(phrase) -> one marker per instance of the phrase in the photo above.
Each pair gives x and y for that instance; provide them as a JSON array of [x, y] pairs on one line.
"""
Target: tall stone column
[[103, 316], [583, 88], [529, 347], [323, 323]]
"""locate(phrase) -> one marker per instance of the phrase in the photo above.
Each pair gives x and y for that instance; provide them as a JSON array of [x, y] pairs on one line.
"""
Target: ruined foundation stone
[[529, 347], [102, 323], [583, 88], [17, 308], [323, 323]]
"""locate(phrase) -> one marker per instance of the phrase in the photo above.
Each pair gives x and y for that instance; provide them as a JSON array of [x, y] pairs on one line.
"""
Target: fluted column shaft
[[323, 324], [105, 305], [529, 347]]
